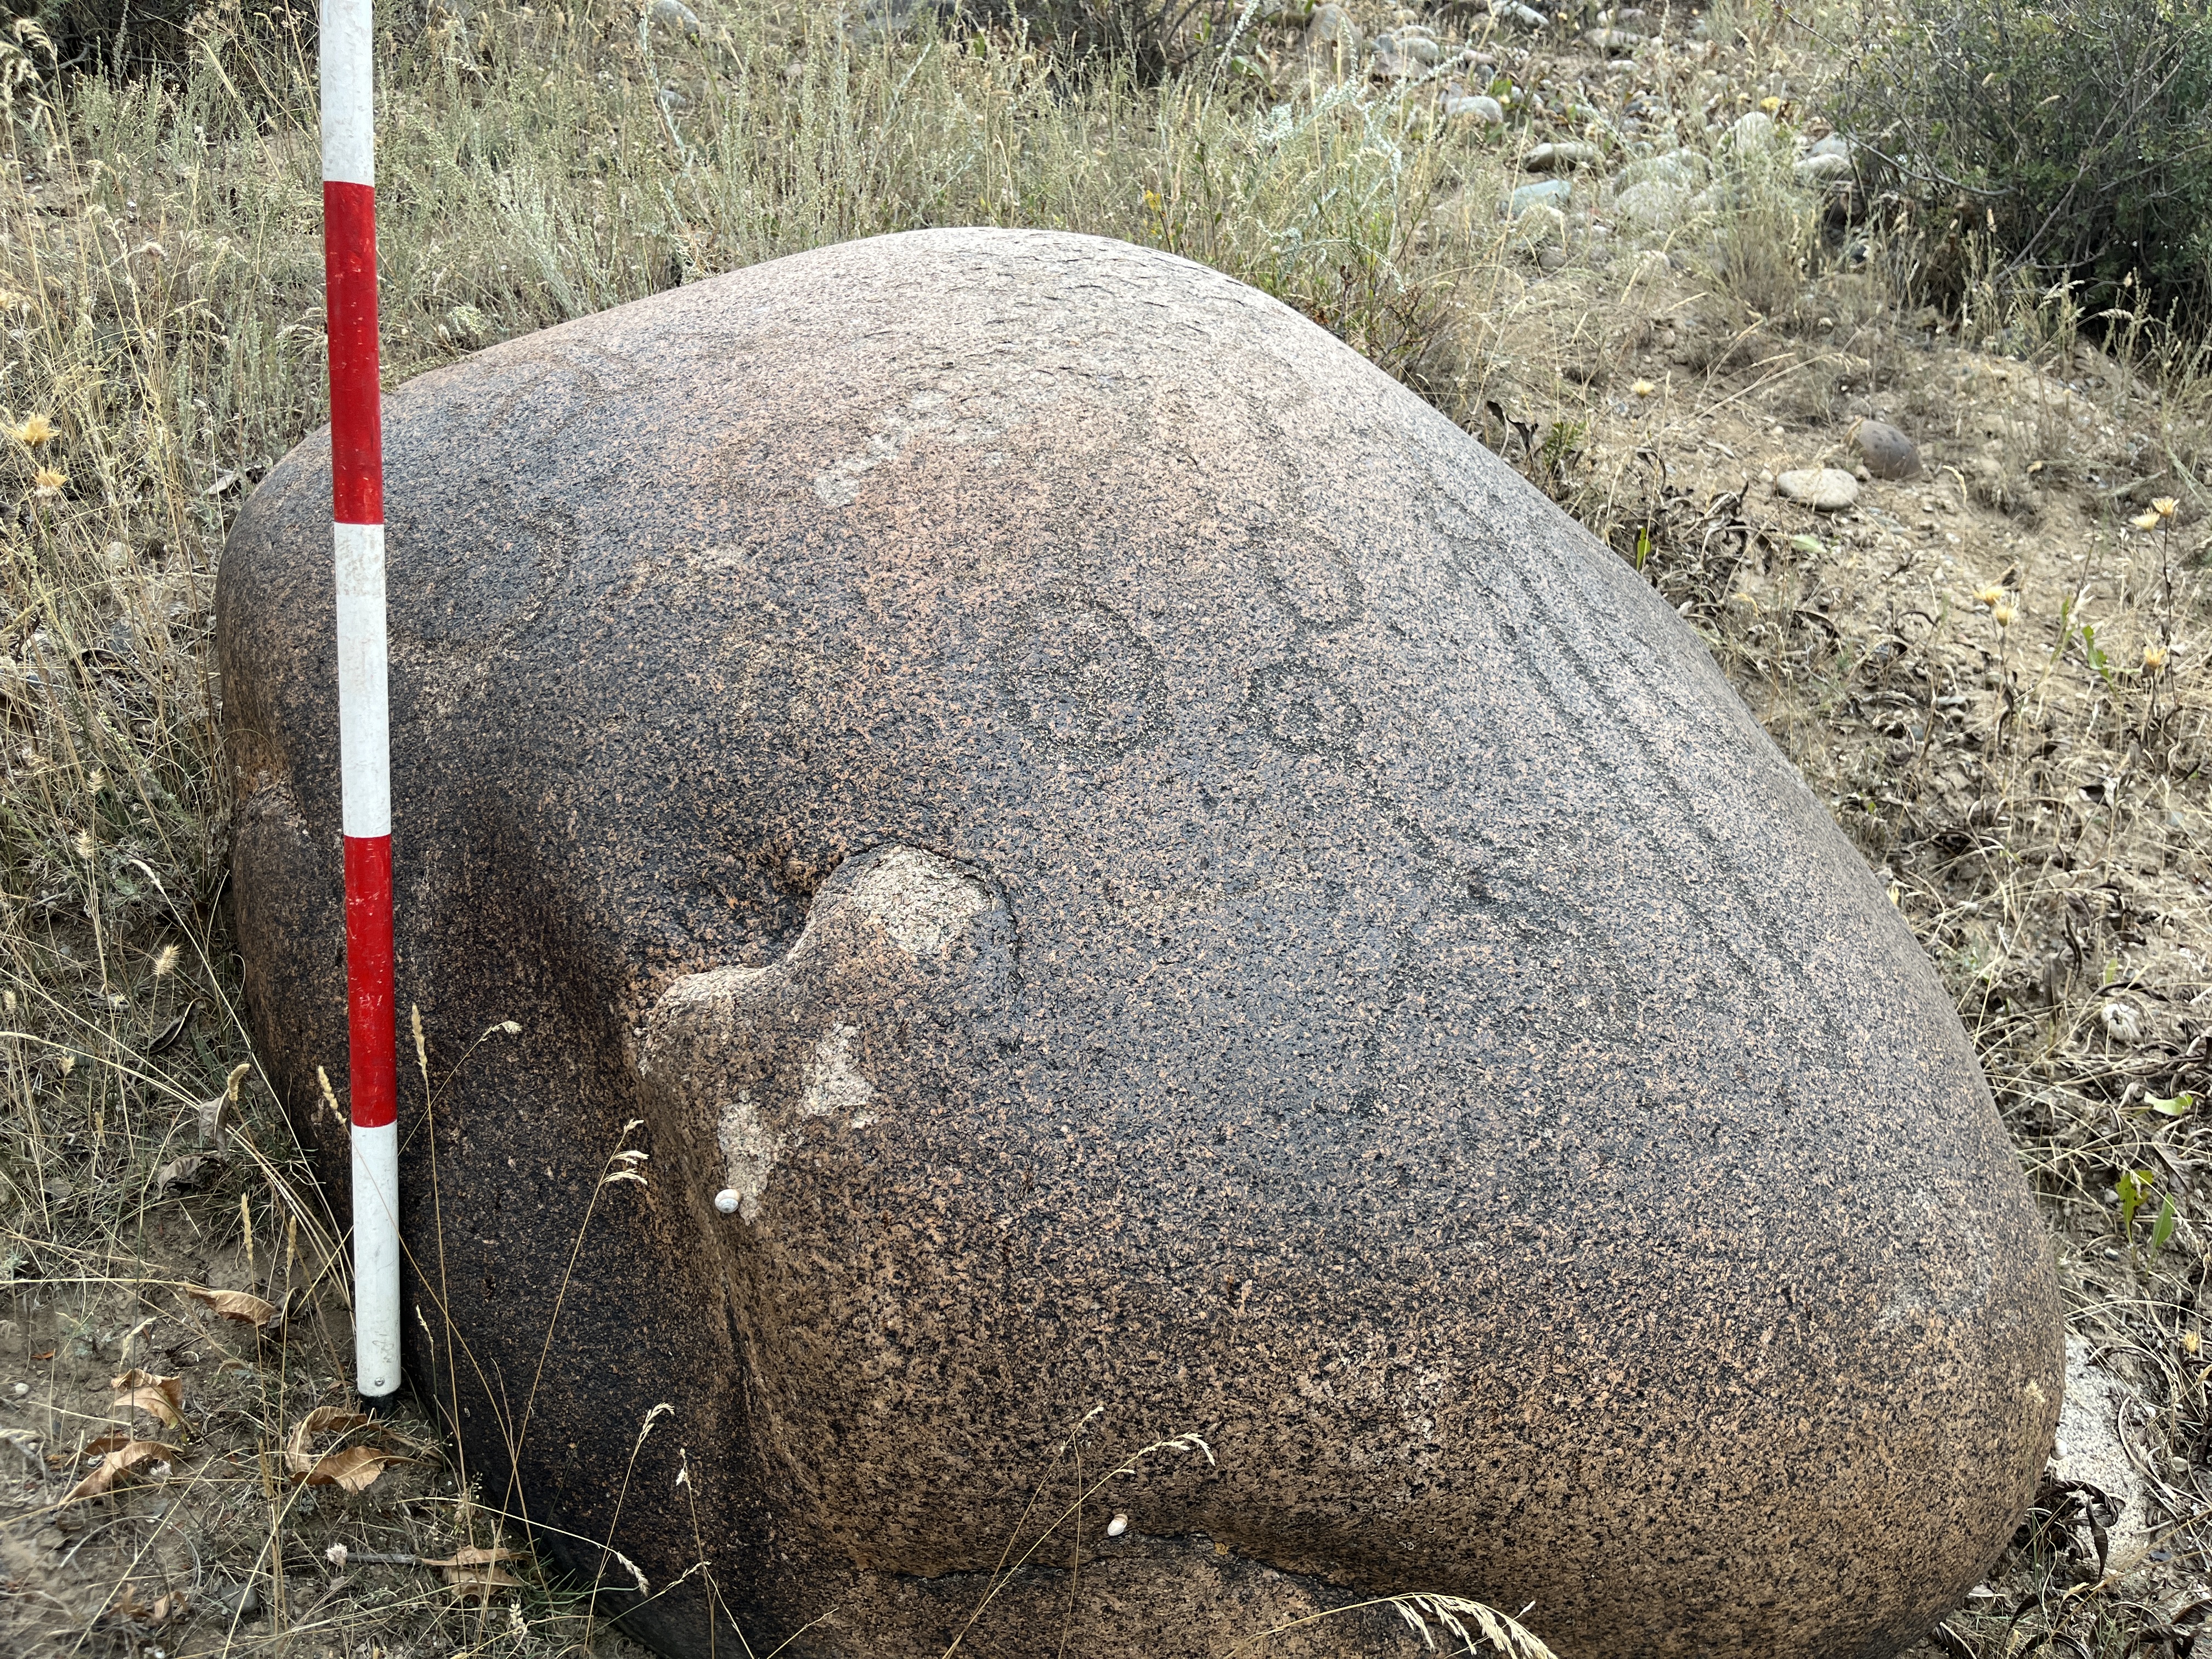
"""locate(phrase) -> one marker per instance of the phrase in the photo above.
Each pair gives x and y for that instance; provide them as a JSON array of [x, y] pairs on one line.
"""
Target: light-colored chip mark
[[980, 409], [832, 1086], [919, 902], [748, 1153], [923, 901]]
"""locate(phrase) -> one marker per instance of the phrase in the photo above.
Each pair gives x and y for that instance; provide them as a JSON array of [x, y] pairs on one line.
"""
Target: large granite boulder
[[1140, 882]]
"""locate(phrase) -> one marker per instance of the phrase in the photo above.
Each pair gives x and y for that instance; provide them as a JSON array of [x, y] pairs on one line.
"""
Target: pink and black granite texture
[[1368, 995]]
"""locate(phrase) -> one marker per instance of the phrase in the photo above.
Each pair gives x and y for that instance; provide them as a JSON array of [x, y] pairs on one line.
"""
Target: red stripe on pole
[[350, 275], [373, 1050]]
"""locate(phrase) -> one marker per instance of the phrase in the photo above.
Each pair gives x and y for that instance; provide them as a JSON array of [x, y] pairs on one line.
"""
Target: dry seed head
[[2003, 614], [166, 962], [2164, 507], [49, 481], [1990, 595], [329, 1099], [2153, 658], [36, 429], [86, 846], [1643, 388]]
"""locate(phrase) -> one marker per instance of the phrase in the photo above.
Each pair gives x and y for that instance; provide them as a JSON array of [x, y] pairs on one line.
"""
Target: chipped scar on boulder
[[969, 414], [918, 902], [833, 1087], [923, 901], [748, 1153]]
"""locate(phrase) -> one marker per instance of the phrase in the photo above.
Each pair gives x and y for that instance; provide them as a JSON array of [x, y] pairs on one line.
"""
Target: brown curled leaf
[[477, 1573], [115, 1465], [241, 1306], [352, 1469], [161, 1396], [189, 1174]]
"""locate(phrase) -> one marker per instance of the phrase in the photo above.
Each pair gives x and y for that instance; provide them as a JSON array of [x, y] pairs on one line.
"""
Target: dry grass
[[2034, 791]]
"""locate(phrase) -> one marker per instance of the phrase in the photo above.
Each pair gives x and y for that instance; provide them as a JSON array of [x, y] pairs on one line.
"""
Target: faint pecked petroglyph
[[1304, 709], [1079, 676]]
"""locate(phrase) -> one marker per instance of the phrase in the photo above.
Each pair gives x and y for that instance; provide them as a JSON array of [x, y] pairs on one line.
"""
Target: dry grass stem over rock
[[1991, 669]]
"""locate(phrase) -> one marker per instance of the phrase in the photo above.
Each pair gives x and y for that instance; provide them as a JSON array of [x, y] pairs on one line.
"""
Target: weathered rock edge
[[1158, 875]]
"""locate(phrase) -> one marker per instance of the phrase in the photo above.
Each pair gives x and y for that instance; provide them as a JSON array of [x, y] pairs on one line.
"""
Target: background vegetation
[[2066, 139]]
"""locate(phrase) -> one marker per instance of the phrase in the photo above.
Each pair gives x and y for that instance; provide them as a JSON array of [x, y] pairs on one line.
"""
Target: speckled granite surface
[[1145, 871]]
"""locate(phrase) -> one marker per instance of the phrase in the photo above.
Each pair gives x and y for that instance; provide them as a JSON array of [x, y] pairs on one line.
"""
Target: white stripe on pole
[[347, 65], [376, 1258], [364, 710]]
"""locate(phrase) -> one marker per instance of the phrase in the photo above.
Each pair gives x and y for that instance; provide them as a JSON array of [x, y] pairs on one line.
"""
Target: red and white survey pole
[[364, 714]]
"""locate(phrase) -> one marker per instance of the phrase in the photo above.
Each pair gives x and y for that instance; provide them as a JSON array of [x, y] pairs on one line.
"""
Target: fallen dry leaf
[[115, 1464], [188, 1174], [325, 1420], [220, 1114], [171, 1034], [477, 1572], [352, 1469], [163, 1396], [130, 1609], [241, 1306]]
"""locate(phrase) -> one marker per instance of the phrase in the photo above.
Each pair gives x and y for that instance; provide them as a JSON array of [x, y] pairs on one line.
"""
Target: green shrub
[[2066, 139]]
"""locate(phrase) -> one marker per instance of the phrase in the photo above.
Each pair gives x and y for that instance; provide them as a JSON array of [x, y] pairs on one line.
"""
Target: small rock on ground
[[1685, 167], [1560, 158], [1331, 33], [1542, 226], [1482, 109], [1754, 132], [2099, 1410], [1822, 169], [1654, 205], [1553, 193], [1823, 489], [1887, 453]]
